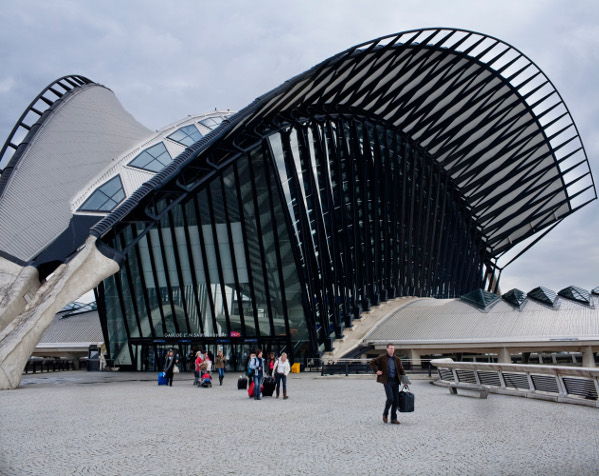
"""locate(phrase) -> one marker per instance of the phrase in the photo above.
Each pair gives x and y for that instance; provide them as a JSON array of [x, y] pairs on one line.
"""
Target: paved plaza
[[73, 423]]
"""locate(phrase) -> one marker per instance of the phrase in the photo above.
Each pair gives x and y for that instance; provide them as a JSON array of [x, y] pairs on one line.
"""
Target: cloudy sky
[[165, 60]]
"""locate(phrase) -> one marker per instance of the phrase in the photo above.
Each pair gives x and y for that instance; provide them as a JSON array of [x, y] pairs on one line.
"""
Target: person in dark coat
[[169, 366], [389, 372]]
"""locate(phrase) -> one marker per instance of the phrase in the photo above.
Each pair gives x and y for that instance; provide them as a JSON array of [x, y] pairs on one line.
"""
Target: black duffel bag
[[406, 401]]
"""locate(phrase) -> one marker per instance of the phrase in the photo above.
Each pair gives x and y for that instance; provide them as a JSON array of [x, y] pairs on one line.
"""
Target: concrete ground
[[73, 423]]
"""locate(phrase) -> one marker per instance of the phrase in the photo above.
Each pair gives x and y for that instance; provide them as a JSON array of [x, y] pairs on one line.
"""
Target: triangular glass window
[[187, 135], [153, 159], [515, 297], [212, 122], [481, 299], [544, 295], [577, 294], [106, 196]]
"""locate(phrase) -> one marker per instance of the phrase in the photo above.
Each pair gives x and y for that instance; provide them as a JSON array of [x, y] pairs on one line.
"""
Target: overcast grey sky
[[168, 59]]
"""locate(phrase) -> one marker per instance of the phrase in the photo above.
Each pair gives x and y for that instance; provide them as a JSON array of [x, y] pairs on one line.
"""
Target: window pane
[[152, 159], [106, 197], [187, 135]]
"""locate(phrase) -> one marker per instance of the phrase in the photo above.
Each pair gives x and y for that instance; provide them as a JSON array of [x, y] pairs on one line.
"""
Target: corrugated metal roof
[[83, 327], [431, 319], [83, 134]]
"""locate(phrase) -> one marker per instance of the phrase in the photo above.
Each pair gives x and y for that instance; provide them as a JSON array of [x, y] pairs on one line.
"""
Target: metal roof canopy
[[480, 107]]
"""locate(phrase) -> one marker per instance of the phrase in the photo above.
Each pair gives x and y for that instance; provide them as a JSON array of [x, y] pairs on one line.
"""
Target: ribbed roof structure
[[478, 106], [452, 320]]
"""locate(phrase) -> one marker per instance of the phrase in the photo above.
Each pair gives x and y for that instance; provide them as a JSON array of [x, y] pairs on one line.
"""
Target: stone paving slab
[[328, 426]]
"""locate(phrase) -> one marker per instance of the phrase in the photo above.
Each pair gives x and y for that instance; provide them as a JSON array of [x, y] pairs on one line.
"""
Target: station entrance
[[149, 354]]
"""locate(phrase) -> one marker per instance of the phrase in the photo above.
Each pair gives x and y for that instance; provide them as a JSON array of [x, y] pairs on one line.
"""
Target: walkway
[[329, 426]]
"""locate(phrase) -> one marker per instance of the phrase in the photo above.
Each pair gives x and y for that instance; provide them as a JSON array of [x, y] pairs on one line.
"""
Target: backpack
[[250, 371]]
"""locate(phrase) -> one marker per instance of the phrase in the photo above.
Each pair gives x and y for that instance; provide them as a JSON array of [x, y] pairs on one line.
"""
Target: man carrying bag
[[389, 371]]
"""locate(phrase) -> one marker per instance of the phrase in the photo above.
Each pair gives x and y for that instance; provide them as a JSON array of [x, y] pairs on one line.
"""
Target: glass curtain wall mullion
[[102, 312], [398, 191], [307, 242], [211, 302], [375, 187], [345, 211], [121, 300], [126, 271], [367, 220], [232, 252], [178, 257], [269, 159], [263, 263], [192, 268], [158, 293], [144, 288], [244, 233], [331, 224], [349, 137], [313, 202], [304, 279], [433, 233], [422, 219], [217, 255], [169, 287]]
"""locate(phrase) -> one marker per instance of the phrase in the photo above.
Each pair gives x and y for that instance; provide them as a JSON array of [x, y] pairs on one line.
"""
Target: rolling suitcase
[[406, 401], [242, 383], [268, 386], [251, 389], [162, 378]]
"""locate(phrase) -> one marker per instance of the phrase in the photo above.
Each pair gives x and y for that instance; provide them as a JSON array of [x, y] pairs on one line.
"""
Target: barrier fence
[[578, 385]]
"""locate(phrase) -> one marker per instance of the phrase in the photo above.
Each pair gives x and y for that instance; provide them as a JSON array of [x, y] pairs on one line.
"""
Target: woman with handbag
[[170, 366], [219, 364]]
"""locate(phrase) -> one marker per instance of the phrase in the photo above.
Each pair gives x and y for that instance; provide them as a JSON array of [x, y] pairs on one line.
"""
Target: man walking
[[388, 369]]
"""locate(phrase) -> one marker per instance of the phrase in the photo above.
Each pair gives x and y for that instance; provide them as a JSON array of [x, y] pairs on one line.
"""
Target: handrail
[[578, 385]]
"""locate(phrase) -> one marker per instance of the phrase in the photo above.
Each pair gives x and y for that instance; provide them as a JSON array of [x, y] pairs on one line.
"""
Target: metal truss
[[407, 165]]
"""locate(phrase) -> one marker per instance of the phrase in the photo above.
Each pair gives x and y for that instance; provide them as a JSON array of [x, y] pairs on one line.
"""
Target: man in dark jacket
[[388, 369]]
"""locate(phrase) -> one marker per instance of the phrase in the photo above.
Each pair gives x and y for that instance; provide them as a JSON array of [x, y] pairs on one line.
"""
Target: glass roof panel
[[544, 295], [106, 197], [481, 299], [153, 159], [577, 294], [515, 297], [186, 135]]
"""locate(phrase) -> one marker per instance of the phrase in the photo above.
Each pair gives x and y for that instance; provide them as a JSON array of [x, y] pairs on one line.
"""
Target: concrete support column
[[588, 358], [415, 358], [504, 356]]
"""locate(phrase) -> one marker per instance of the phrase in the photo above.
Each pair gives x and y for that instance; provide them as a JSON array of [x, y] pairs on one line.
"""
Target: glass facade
[[287, 242], [186, 135], [152, 159], [106, 197]]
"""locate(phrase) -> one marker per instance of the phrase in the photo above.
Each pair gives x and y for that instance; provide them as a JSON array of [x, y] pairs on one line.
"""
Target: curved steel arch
[[27, 126], [481, 138], [366, 71]]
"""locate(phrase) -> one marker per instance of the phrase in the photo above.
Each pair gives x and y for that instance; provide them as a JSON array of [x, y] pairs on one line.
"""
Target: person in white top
[[281, 370]]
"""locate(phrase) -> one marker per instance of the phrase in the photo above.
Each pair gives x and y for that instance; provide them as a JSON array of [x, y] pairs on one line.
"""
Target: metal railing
[[48, 365], [362, 366], [577, 385]]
